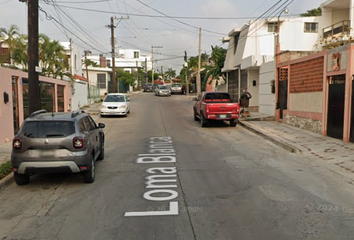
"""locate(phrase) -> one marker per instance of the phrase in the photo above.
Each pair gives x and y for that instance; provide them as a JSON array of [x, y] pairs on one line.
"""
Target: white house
[[254, 45], [80, 92], [128, 59]]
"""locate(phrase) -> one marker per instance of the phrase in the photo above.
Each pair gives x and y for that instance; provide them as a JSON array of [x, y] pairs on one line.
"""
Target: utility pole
[[186, 72], [146, 73], [163, 78], [112, 27], [199, 85], [87, 76], [33, 58], [152, 62]]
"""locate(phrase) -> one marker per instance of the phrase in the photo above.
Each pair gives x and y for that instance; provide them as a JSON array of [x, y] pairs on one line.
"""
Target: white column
[[351, 16]]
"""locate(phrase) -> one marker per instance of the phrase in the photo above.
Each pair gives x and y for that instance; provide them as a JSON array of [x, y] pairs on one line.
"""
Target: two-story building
[[250, 61], [316, 92]]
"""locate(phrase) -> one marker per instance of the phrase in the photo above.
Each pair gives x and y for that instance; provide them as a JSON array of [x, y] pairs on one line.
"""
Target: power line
[[51, 18], [76, 25], [189, 25], [159, 16]]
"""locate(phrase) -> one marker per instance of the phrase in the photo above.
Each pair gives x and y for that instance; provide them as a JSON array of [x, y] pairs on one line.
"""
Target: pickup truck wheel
[[195, 117], [233, 123], [203, 121]]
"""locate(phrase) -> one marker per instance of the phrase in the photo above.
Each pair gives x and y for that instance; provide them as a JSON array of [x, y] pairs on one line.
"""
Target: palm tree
[[20, 53], [52, 56], [9, 37], [216, 61], [170, 73]]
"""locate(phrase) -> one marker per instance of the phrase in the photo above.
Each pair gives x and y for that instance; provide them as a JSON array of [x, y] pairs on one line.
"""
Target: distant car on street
[[176, 88], [115, 104], [55, 143], [162, 90], [147, 87]]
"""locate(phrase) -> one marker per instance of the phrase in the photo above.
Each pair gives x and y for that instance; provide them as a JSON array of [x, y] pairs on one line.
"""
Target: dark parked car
[[148, 87], [57, 142]]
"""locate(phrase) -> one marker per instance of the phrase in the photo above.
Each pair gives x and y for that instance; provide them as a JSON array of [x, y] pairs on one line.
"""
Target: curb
[[6, 181], [284, 145]]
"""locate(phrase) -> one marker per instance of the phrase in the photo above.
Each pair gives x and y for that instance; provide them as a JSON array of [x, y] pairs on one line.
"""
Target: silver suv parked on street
[[57, 142]]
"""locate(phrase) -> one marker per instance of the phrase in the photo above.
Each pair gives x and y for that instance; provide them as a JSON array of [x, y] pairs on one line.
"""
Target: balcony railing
[[337, 29]]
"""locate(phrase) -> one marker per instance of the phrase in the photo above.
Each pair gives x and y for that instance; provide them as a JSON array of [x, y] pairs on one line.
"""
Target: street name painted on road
[[160, 151]]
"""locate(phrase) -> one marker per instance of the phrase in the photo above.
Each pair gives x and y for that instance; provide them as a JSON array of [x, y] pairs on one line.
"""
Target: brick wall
[[307, 76]]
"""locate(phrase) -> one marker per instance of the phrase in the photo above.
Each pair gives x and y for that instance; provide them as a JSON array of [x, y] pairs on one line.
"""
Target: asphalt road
[[212, 183]]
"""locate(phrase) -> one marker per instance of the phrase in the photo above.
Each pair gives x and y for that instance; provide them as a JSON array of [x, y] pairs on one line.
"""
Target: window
[[88, 124], [136, 54], [47, 96], [311, 27], [101, 80], [272, 27], [48, 129], [60, 98]]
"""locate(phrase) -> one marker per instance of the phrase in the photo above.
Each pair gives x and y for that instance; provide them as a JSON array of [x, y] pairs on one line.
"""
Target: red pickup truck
[[216, 106]]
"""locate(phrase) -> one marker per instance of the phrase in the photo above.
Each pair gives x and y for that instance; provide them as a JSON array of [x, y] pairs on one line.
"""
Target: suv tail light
[[17, 143], [78, 142]]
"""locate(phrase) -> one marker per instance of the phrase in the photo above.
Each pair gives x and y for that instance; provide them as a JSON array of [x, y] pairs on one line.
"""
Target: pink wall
[[6, 110]]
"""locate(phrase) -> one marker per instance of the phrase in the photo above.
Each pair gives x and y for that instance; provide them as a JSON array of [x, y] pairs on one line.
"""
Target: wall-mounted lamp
[[6, 97]]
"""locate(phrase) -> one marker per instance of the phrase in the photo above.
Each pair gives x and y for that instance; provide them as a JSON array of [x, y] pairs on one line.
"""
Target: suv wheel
[[101, 156], [21, 179], [89, 175]]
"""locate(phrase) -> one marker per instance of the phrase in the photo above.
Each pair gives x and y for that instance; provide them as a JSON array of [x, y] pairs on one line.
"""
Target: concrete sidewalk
[[328, 152]]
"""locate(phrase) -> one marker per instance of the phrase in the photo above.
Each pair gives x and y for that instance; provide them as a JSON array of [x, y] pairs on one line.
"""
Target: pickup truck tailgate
[[222, 108]]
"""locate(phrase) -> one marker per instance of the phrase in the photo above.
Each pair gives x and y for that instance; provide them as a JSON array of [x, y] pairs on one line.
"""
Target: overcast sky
[[172, 24]]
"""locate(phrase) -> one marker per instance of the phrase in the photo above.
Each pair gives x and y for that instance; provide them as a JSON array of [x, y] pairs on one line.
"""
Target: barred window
[[101, 80]]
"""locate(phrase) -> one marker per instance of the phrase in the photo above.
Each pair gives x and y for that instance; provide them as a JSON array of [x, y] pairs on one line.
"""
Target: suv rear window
[[43, 129], [176, 85]]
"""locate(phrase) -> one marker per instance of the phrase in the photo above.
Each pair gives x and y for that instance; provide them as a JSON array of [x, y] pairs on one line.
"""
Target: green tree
[[216, 61], [156, 76], [89, 62], [20, 53], [170, 74], [312, 13], [126, 77], [9, 37], [53, 59]]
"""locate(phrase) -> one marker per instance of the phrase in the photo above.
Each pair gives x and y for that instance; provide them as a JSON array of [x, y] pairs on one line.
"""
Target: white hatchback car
[[115, 104]]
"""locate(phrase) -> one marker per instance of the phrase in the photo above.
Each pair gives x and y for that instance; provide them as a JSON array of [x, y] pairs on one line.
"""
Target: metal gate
[[282, 103], [335, 118], [352, 116]]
